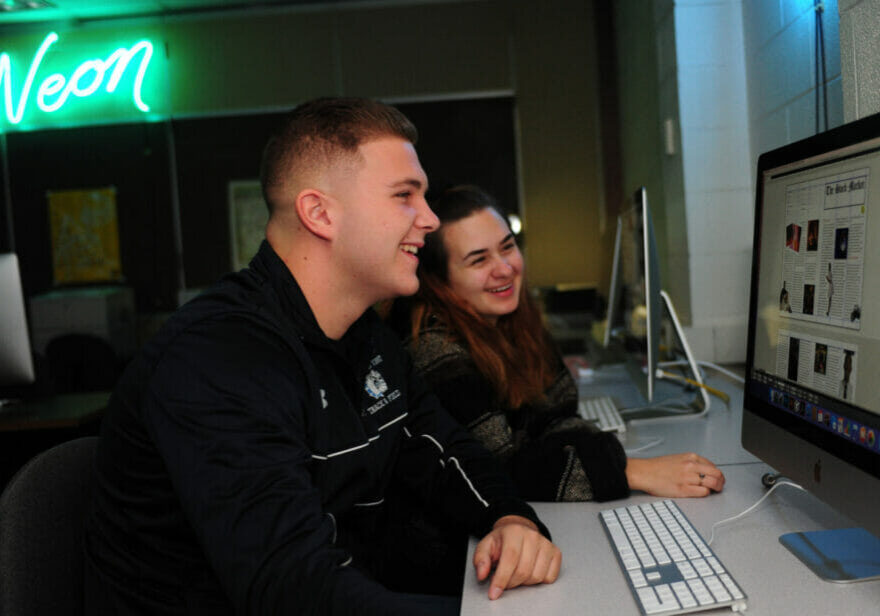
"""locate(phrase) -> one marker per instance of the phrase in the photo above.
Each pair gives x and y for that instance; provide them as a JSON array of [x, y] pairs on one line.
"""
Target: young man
[[247, 453]]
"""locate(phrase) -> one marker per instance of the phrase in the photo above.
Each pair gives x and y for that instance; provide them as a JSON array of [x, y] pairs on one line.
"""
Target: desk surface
[[777, 584], [58, 411]]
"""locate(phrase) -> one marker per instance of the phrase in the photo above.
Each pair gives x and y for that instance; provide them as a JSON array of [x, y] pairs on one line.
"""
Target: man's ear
[[313, 209]]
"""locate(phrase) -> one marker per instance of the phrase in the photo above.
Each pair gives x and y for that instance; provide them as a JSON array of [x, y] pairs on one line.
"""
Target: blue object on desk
[[837, 555]]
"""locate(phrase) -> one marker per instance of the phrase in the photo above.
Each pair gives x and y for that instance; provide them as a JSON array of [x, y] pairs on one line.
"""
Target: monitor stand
[[841, 555], [649, 414], [692, 363]]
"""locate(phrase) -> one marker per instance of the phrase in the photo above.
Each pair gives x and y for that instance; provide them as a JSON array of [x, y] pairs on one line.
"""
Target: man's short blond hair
[[324, 132]]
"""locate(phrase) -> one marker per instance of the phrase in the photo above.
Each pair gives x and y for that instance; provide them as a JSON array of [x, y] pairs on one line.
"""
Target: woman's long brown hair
[[515, 354]]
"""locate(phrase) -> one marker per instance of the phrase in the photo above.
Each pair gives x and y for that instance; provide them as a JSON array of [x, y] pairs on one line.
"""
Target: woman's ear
[[313, 209]]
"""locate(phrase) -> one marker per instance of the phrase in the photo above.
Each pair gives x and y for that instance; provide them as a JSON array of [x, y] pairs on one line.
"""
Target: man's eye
[[478, 260], [509, 246], [404, 195]]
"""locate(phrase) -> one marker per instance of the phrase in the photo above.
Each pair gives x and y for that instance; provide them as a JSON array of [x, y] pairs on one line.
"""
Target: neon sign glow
[[55, 90]]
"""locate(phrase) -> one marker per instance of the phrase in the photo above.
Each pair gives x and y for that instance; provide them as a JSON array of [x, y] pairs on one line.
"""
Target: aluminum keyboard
[[669, 568], [603, 412]]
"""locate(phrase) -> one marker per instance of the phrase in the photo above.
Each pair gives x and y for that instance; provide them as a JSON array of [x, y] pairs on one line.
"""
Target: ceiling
[[13, 12]]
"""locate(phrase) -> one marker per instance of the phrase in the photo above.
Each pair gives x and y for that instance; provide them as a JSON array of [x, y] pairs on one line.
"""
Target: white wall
[[711, 91], [745, 76], [780, 39], [860, 52]]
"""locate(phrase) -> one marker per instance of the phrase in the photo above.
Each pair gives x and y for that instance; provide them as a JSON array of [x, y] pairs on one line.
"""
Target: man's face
[[384, 220]]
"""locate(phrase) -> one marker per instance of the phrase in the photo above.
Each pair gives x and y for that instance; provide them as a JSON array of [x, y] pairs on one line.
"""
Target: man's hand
[[521, 555]]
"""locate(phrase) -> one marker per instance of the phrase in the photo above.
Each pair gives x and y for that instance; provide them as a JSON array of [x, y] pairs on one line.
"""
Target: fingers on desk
[[703, 477], [709, 475], [522, 559]]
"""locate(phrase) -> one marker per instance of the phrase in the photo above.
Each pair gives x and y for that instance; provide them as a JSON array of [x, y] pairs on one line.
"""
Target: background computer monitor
[[634, 302], [16, 361], [812, 392]]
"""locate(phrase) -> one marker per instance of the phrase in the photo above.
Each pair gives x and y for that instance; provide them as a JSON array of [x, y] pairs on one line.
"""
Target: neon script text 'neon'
[[84, 81]]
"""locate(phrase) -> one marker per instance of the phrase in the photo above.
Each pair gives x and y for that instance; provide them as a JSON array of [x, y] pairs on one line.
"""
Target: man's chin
[[407, 286], [401, 290], [409, 289]]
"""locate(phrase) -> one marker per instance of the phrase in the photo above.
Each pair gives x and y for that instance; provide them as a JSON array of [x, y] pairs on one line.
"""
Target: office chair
[[42, 514]]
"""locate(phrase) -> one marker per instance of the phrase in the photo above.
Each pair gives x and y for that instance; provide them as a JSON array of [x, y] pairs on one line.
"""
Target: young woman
[[477, 338]]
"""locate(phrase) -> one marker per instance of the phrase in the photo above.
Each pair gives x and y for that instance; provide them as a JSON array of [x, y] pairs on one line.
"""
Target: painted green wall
[[544, 54]]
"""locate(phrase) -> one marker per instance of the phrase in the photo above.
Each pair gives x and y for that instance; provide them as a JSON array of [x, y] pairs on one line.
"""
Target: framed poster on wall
[[247, 221], [84, 235]]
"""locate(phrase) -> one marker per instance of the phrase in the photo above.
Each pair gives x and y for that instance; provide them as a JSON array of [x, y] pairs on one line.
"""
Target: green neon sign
[[58, 88]]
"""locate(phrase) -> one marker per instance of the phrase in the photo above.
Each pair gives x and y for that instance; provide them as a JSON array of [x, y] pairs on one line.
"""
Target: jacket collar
[[269, 267]]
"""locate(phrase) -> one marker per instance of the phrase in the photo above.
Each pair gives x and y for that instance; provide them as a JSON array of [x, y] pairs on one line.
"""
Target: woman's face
[[485, 265]]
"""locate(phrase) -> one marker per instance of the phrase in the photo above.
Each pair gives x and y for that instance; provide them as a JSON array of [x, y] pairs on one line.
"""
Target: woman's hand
[[682, 474]]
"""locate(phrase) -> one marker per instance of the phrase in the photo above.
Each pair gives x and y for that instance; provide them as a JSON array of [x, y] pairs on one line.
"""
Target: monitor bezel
[[819, 448]]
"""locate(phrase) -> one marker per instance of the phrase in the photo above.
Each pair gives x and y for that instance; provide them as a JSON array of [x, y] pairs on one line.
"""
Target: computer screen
[[16, 361], [634, 302], [812, 390]]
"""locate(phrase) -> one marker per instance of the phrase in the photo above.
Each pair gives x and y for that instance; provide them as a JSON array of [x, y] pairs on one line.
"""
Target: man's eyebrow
[[506, 239], [417, 184]]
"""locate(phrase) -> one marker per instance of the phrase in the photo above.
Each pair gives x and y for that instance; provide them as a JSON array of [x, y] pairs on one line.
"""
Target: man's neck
[[335, 307]]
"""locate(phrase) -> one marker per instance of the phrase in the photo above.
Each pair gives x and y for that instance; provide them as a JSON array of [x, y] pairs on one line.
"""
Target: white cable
[[722, 370], [760, 500], [641, 448]]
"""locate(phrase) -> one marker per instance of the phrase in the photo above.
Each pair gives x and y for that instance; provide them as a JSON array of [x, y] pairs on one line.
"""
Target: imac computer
[[16, 361], [636, 302], [812, 388], [633, 316]]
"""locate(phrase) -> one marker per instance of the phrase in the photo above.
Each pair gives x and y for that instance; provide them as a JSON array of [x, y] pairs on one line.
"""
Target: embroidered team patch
[[374, 384]]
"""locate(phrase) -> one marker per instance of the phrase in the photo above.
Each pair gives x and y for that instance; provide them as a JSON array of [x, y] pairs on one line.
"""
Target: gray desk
[[716, 435], [776, 583]]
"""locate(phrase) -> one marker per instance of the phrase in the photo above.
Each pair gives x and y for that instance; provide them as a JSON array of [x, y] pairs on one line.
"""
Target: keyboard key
[[731, 586], [713, 562], [638, 578], [702, 567], [667, 597], [687, 570], [701, 592], [649, 600], [717, 588], [685, 598]]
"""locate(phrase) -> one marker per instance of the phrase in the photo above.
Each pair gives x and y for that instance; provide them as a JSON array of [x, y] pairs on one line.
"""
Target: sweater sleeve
[[549, 452], [465, 481]]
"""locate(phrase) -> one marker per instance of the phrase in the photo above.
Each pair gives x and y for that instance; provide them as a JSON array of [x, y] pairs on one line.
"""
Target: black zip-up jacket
[[245, 459]]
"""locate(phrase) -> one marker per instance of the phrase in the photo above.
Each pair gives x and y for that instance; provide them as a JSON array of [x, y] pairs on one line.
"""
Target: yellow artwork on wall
[[85, 235]]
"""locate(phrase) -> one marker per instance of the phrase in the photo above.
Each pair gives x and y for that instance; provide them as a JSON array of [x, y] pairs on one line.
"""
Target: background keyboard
[[669, 568], [603, 412]]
